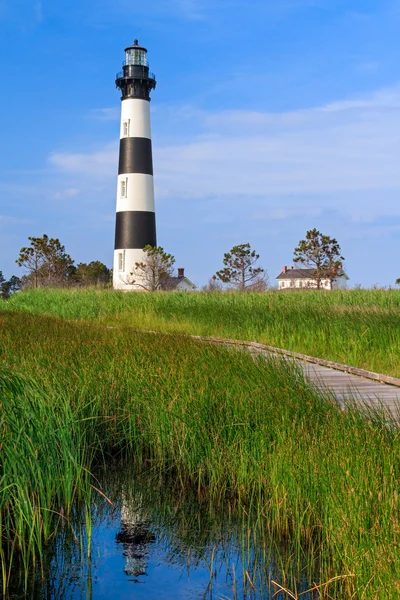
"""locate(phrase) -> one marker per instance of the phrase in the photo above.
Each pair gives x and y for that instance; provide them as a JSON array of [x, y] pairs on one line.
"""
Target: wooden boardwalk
[[353, 388], [346, 383]]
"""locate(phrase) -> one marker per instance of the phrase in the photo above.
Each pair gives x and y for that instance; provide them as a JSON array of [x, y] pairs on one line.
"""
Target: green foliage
[[223, 423], [93, 273], [8, 287], [2, 283], [355, 327], [321, 253], [153, 272], [46, 262], [240, 271]]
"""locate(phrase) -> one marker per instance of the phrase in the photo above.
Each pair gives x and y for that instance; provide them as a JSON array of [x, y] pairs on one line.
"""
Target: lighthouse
[[135, 225]]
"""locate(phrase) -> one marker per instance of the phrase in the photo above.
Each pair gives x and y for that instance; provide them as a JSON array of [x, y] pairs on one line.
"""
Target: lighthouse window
[[125, 128], [134, 56], [124, 186], [121, 261]]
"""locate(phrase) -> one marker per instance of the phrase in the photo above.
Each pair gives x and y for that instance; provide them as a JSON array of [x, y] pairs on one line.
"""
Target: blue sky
[[270, 117]]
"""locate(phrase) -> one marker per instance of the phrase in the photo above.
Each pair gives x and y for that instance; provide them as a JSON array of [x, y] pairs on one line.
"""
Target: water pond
[[146, 540]]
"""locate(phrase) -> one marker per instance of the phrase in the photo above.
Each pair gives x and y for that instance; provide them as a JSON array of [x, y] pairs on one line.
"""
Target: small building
[[178, 284], [292, 278]]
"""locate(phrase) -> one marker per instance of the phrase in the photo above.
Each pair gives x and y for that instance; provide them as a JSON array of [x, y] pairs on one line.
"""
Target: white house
[[292, 278], [179, 284]]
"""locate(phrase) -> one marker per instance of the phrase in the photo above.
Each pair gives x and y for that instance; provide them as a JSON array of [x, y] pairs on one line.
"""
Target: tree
[[46, 262], [2, 282], [9, 287], [153, 272], [93, 273], [213, 285], [240, 271], [321, 253], [261, 284]]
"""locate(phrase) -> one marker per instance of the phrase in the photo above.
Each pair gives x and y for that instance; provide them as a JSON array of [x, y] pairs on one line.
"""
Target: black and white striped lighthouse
[[135, 220]]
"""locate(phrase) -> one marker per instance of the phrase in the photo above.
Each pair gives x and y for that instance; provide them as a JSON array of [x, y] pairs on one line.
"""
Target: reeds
[[355, 327], [220, 421]]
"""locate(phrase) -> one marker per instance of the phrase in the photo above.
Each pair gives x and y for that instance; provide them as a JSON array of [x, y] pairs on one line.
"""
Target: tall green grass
[[221, 422], [356, 327]]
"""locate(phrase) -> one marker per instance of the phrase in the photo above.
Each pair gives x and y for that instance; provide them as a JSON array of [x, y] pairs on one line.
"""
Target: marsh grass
[[355, 327], [222, 423]]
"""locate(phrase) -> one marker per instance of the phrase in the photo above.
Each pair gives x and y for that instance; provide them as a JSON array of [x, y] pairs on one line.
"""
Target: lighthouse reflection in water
[[135, 535]]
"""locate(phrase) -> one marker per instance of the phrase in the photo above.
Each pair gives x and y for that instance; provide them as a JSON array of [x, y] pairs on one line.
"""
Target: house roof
[[304, 274], [171, 283]]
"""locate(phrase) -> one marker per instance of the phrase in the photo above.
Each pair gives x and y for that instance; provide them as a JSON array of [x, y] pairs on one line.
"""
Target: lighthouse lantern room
[[135, 225]]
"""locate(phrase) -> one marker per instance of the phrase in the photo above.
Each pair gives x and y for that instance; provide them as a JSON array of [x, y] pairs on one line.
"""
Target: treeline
[[47, 264]]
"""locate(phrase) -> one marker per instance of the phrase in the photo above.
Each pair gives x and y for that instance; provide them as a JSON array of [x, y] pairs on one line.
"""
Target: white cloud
[[279, 214], [105, 114], [7, 220], [349, 145], [66, 193], [388, 98], [98, 163], [376, 231], [345, 146]]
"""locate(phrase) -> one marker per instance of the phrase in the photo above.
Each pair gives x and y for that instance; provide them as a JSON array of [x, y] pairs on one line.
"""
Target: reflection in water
[[162, 543], [135, 535]]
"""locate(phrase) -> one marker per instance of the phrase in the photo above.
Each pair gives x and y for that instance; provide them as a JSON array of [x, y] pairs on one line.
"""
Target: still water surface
[[156, 542]]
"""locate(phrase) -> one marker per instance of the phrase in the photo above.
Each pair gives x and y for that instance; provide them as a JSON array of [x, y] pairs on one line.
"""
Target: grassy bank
[[357, 327], [223, 423]]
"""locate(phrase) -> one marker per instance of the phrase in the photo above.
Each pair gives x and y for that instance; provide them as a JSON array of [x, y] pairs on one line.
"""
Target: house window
[[125, 128], [123, 187], [121, 261]]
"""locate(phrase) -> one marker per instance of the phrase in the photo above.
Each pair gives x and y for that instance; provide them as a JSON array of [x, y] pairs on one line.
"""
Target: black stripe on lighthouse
[[135, 229], [135, 156]]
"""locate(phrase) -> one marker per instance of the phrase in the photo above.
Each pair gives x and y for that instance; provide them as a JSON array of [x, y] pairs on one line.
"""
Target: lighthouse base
[[124, 276]]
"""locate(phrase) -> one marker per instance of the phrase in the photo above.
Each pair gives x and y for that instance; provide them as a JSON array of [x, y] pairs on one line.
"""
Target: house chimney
[[284, 269], [292, 267], [181, 273]]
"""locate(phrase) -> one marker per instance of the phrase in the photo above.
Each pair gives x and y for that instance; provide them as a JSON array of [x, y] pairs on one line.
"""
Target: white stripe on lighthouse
[[139, 193], [136, 113]]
